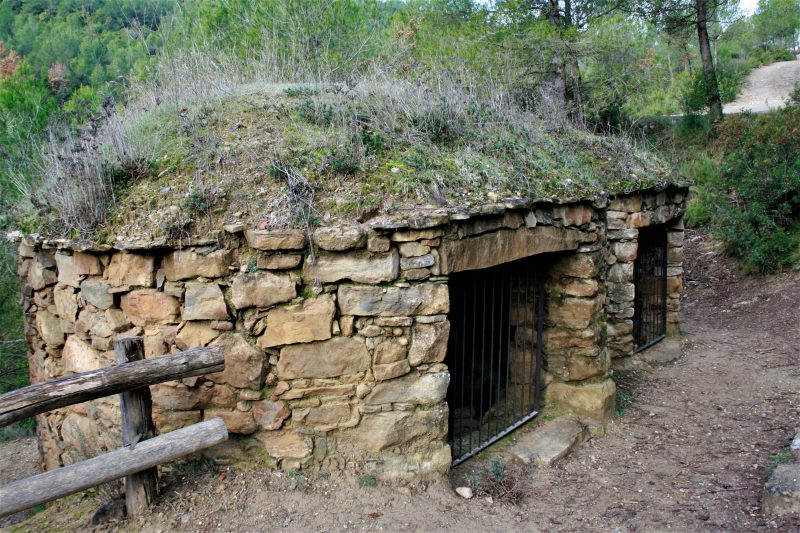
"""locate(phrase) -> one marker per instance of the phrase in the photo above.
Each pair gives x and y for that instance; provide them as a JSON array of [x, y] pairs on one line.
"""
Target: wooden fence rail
[[54, 484], [68, 390], [138, 459]]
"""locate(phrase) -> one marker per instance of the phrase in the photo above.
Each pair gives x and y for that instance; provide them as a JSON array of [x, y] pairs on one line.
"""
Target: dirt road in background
[[766, 88], [690, 453]]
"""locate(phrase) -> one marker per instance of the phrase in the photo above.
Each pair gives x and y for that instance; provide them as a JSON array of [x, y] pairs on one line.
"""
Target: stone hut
[[363, 347]]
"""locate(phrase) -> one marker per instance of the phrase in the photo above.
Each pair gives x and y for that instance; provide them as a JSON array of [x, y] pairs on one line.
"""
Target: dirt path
[[690, 453], [766, 88]]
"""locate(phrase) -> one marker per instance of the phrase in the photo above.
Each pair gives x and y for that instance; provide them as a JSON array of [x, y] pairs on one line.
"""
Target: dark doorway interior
[[494, 353], [650, 278]]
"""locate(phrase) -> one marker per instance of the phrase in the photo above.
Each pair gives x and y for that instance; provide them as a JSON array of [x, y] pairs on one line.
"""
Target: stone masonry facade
[[335, 342]]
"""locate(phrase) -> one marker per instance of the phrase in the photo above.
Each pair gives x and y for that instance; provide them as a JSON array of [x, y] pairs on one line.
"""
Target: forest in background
[[67, 67]]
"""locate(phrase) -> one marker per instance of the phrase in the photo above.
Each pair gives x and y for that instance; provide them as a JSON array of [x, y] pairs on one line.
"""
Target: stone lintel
[[504, 246]]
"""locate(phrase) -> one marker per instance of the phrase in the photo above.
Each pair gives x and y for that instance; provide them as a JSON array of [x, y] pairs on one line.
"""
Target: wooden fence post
[[137, 425]]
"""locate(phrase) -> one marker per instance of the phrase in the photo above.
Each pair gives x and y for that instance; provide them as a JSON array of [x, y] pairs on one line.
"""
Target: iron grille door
[[650, 279], [494, 354]]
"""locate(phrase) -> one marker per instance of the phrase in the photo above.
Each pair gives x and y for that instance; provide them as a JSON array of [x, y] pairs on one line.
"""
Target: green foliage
[[778, 459], [751, 196], [367, 480], [776, 22]]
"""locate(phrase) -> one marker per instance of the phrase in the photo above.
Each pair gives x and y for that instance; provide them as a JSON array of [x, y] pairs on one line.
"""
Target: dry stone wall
[[626, 217], [336, 342]]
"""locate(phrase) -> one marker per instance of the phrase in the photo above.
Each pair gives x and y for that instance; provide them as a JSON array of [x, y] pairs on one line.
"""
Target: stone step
[[550, 442], [782, 491]]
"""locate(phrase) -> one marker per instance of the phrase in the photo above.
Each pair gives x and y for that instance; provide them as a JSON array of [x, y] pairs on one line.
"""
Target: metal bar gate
[[494, 354], [650, 279]]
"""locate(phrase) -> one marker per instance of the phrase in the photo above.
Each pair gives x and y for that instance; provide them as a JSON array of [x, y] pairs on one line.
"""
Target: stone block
[[625, 251], [134, 270], [195, 334], [674, 286], [328, 415], [622, 234], [188, 264], [66, 302], [578, 266], [592, 402], [547, 444], [204, 301], [275, 239], [616, 220], [154, 344], [628, 204], [73, 268], [149, 306], [640, 219], [379, 431], [675, 238], [663, 214], [40, 277], [179, 397], [576, 287], [323, 359], [286, 444], [416, 274], [620, 273], [573, 313], [376, 243], [237, 422], [477, 226], [577, 215], [389, 351], [413, 263], [167, 421], [422, 299], [117, 320], [580, 368], [270, 415], [309, 321], [413, 388], [416, 235], [78, 356], [95, 292], [279, 261], [782, 491], [340, 238], [413, 249], [555, 339], [51, 328], [506, 246], [391, 370], [428, 343], [261, 289], [361, 267], [621, 292], [245, 365]]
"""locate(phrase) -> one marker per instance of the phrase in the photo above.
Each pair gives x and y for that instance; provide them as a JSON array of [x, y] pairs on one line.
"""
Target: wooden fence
[[142, 451]]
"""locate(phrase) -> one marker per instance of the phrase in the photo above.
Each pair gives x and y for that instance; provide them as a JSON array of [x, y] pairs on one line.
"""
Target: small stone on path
[[464, 492]]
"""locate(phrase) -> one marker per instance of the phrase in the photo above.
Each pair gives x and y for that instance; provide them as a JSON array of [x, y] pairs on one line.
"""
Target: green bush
[[754, 203]]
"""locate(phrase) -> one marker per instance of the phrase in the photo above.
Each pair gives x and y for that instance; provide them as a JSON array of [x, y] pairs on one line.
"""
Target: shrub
[[754, 203]]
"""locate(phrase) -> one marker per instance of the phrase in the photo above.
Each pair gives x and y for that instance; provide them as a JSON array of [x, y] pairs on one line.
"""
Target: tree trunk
[[558, 73], [713, 99]]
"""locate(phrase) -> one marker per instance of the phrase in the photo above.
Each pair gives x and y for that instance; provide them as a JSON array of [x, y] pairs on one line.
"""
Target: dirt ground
[[766, 88], [690, 452]]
